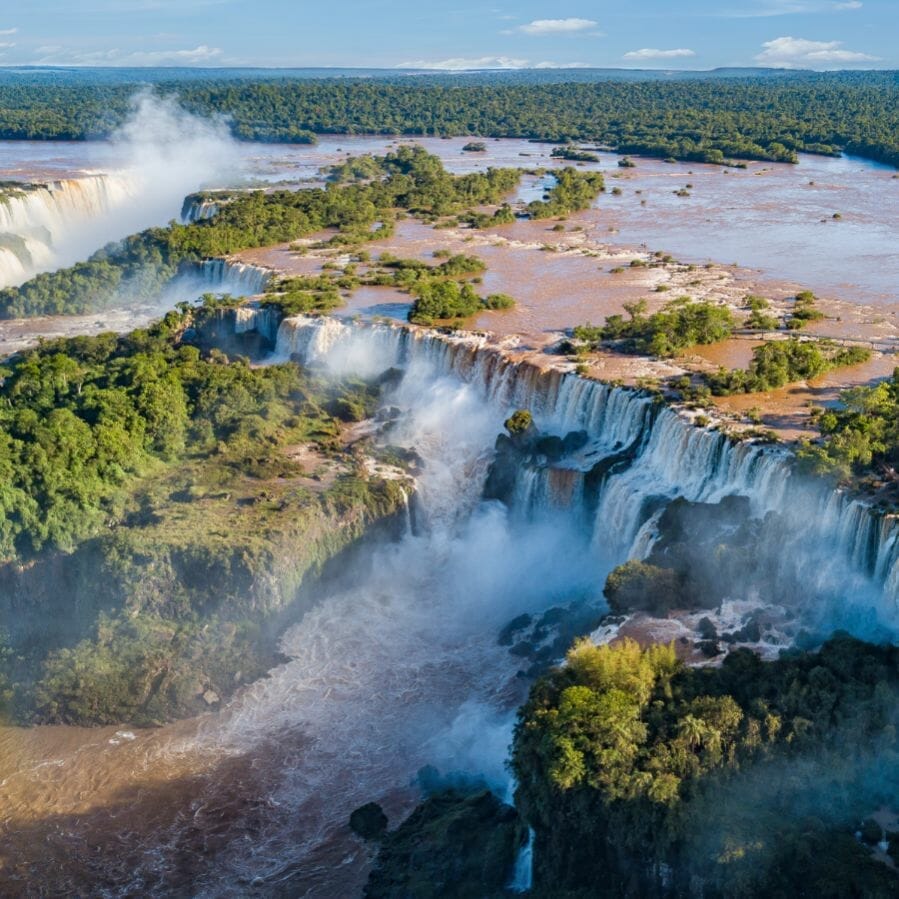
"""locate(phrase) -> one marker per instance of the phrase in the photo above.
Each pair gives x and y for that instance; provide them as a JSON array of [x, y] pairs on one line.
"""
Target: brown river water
[[402, 670]]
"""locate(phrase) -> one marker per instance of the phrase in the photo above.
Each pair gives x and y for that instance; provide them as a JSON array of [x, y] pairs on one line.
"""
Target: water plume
[[162, 153]]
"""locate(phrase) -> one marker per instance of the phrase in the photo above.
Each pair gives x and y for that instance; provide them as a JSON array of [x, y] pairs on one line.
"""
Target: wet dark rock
[[391, 377], [507, 634], [452, 845], [707, 630], [751, 632], [551, 447], [574, 441], [369, 821], [524, 649], [501, 478], [701, 551], [388, 413], [522, 447], [544, 639]]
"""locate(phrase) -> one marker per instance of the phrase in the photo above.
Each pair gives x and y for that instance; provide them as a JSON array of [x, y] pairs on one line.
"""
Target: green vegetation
[[359, 210], [520, 422], [499, 301], [572, 154], [81, 418], [642, 776], [572, 192], [454, 844], [640, 587], [305, 294], [700, 118], [759, 318], [158, 482], [475, 146], [443, 301], [442, 292], [779, 362], [504, 215], [804, 311], [861, 436], [680, 324]]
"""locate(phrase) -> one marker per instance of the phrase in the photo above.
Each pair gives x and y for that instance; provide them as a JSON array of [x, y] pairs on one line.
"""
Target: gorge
[[331, 546], [403, 647]]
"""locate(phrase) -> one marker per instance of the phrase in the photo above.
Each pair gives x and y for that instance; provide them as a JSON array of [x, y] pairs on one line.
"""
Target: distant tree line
[[707, 119]]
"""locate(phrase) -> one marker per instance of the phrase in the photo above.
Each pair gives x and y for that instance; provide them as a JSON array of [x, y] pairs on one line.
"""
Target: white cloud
[[461, 64], [541, 27], [796, 52], [5, 45], [54, 55], [649, 53], [5, 31]]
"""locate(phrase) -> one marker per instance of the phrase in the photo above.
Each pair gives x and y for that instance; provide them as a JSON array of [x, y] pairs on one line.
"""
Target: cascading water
[[398, 666], [36, 219], [237, 278], [523, 876], [196, 208], [843, 546], [161, 154], [221, 276], [401, 669]]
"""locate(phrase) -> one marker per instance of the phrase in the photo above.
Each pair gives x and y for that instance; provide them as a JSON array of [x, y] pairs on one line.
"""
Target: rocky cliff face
[[157, 620]]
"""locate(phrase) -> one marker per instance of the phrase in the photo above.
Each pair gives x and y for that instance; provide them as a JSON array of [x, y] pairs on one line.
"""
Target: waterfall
[[641, 455], [523, 875], [220, 276], [36, 218], [240, 279], [197, 207], [256, 318]]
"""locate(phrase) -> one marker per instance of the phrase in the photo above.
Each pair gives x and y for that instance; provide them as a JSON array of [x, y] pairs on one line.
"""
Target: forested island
[[748, 779], [706, 119], [360, 204]]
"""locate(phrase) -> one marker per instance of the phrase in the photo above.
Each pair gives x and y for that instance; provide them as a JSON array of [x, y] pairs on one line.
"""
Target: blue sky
[[453, 34]]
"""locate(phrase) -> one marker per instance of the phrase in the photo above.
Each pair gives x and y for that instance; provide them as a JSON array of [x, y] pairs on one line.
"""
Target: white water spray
[[162, 154]]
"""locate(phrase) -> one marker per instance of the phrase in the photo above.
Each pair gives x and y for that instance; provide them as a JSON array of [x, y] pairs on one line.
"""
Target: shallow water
[[768, 216]]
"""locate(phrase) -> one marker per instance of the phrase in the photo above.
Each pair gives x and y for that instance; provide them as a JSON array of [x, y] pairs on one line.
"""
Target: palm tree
[[692, 729]]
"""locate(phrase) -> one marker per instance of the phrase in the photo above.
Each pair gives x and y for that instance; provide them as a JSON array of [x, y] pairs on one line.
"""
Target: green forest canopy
[[643, 776], [706, 119]]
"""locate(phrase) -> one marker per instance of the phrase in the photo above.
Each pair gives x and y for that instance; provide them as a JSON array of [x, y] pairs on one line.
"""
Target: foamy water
[[395, 669]]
